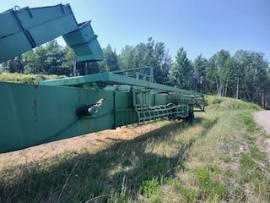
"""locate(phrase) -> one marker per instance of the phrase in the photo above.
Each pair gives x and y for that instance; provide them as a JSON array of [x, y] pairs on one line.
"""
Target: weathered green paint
[[32, 115], [63, 108], [114, 78], [84, 43], [27, 28]]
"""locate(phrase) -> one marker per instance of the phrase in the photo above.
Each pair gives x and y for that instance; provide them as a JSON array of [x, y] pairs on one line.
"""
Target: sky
[[200, 26]]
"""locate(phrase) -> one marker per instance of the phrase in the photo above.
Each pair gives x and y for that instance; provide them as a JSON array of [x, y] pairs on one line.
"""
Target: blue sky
[[200, 26]]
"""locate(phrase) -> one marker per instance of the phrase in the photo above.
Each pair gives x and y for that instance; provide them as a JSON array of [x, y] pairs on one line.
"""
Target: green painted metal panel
[[17, 40], [32, 115], [42, 34], [117, 79], [161, 99], [38, 25], [63, 108], [7, 24], [124, 111], [83, 42], [28, 28]]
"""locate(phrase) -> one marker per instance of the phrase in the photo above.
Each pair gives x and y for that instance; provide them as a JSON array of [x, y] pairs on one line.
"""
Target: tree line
[[243, 75]]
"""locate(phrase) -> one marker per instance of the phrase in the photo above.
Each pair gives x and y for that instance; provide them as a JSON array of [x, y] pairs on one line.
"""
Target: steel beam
[[109, 77]]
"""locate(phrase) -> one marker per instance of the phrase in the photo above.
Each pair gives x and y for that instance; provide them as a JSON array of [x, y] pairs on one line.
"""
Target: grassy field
[[25, 78], [220, 157]]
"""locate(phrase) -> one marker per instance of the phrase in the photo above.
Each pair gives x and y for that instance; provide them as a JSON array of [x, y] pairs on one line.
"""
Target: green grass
[[218, 158], [25, 78], [208, 187]]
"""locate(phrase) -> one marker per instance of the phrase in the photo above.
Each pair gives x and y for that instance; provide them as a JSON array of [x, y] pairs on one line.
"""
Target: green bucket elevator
[[64, 108]]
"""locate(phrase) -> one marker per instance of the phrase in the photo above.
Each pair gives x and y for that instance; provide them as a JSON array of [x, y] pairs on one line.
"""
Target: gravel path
[[263, 118]]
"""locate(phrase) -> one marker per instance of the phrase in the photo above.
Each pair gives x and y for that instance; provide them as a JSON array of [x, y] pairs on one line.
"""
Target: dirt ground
[[263, 118], [92, 142]]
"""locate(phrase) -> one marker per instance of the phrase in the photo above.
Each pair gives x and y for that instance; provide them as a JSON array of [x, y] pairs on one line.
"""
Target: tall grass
[[218, 158], [25, 78]]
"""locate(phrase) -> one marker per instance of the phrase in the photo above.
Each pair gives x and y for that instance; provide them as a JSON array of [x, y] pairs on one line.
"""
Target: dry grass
[[25, 78], [220, 157]]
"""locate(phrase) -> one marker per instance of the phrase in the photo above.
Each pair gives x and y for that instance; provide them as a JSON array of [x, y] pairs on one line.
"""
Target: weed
[[189, 194], [226, 158], [256, 154], [209, 188], [246, 163], [149, 187]]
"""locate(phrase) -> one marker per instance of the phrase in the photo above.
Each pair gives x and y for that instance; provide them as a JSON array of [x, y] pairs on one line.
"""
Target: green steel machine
[[63, 108]]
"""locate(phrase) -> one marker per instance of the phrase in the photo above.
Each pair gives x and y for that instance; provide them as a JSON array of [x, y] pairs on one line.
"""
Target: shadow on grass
[[123, 169]]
